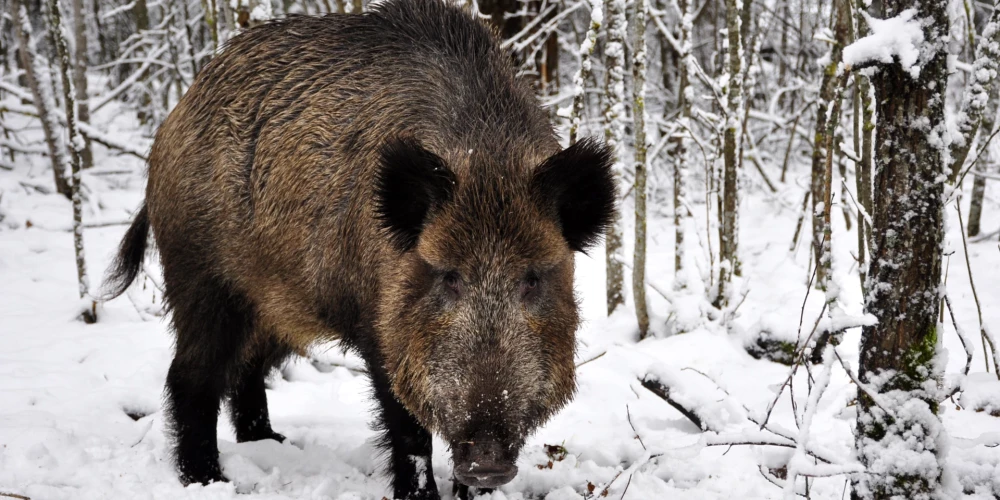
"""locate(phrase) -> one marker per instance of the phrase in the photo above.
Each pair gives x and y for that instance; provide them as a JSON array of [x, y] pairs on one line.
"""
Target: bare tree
[[729, 213], [614, 135], [586, 68], [80, 77], [977, 93], [39, 81], [685, 94], [76, 145], [639, 187], [983, 165]]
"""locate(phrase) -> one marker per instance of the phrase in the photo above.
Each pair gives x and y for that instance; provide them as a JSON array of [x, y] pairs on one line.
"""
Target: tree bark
[[729, 216], [614, 134], [586, 68], [977, 92], [898, 436], [639, 112], [983, 165], [37, 72], [76, 145], [821, 141], [80, 77], [679, 153]]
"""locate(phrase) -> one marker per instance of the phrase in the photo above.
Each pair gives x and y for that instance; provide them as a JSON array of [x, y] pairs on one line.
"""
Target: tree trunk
[[679, 153], [821, 140], [639, 112], [898, 435], [75, 147], [80, 78], [586, 67], [614, 134], [983, 165], [37, 72], [977, 92], [729, 216], [831, 92]]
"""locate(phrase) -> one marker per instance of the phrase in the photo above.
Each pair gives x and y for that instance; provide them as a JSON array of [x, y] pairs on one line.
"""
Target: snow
[[894, 39], [66, 387]]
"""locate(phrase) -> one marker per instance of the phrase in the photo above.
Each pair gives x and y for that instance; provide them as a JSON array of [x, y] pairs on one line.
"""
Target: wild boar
[[384, 180]]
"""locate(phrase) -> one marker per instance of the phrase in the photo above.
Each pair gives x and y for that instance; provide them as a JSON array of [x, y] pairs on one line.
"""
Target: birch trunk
[[582, 74], [80, 77], [40, 83], [76, 145], [684, 97], [614, 134]]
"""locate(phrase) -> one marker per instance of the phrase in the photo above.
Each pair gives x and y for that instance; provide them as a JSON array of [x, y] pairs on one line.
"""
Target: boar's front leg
[[407, 442]]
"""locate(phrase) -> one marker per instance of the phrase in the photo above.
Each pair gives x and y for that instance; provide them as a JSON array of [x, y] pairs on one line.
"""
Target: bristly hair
[[577, 184], [412, 183]]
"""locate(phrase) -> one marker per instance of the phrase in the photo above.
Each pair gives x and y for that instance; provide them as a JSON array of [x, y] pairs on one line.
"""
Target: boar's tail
[[125, 267]]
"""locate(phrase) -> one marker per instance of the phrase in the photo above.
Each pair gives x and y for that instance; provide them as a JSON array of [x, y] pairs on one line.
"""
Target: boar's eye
[[453, 282], [529, 286]]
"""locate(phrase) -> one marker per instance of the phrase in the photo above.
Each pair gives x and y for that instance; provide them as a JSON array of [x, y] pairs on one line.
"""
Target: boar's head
[[478, 317]]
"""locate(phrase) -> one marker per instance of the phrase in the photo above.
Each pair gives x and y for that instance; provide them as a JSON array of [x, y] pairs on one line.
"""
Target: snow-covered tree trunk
[[982, 165], [76, 145], [685, 95], [822, 138], [864, 127], [639, 187], [899, 435], [729, 213], [976, 96], [824, 147], [80, 77], [586, 67], [40, 83], [614, 134]]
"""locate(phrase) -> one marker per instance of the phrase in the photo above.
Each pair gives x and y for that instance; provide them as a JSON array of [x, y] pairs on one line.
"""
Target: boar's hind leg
[[212, 325], [407, 442], [247, 399]]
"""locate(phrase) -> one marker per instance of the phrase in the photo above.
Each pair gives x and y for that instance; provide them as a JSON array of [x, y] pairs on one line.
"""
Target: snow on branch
[[977, 92], [894, 39]]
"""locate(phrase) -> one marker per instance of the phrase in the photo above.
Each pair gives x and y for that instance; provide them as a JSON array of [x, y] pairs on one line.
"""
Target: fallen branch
[[663, 392]]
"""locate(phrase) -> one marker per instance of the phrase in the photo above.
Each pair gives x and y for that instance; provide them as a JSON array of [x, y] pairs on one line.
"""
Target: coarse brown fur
[[384, 180]]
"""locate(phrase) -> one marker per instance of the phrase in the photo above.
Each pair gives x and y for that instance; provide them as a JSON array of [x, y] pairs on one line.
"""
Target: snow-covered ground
[[80, 404]]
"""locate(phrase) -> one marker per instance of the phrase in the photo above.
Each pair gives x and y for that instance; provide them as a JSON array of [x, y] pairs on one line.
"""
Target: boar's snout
[[484, 464]]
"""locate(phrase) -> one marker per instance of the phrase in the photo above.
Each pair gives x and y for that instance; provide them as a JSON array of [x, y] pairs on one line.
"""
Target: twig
[[976, 159], [14, 495], [604, 491], [961, 337], [798, 361], [972, 284], [591, 359], [637, 436], [626, 486]]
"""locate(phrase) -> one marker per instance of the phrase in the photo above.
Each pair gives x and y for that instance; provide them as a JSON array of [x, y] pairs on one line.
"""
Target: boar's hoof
[[260, 437], [203, 475], [483, 464]]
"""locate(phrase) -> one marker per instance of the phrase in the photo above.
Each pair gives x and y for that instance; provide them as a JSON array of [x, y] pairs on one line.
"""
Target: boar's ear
[[412, 182], [577, 186]]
